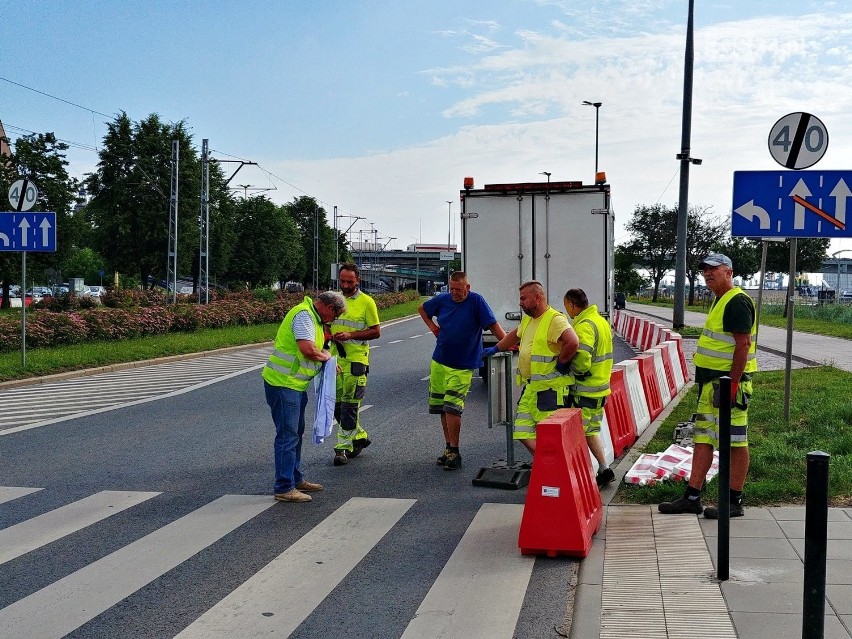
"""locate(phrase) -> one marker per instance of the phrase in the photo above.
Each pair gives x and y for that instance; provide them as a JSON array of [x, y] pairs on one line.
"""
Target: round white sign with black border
[[23, 195], [798, 140]]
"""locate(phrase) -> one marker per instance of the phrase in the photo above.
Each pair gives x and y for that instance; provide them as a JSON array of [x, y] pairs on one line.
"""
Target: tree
[[745, 255], [810, 254], [41, 158], [130, 197], [312, 222], [627, 278], [703, 234], [269, 243], [85, 263], [654, 231]]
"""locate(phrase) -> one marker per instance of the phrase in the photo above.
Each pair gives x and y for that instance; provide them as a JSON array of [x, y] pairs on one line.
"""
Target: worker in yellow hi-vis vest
[[350, 333]]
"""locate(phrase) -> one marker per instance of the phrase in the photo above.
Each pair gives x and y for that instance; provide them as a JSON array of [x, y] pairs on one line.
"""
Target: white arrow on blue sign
[[791, 203], [34, 232]]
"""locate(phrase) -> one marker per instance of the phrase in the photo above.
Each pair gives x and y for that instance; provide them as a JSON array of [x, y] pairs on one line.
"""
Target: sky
[[382, 107]]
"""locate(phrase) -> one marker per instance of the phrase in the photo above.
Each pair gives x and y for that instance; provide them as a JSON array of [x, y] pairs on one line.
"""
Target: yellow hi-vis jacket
[[358, 310], [592, 364], [287, 366], [543, 373], [715, 348]]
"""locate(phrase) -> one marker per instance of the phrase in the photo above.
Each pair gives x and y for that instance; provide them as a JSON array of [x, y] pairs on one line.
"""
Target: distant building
[[5, 151], [431, 248]]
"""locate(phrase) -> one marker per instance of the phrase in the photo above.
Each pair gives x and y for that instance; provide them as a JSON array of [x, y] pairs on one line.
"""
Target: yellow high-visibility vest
[[287, 366]]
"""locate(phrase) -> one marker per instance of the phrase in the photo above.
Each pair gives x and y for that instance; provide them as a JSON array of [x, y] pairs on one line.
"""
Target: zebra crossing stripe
[[480, 591], [44, 529], [284, 592], [8, 493], [65, 605]]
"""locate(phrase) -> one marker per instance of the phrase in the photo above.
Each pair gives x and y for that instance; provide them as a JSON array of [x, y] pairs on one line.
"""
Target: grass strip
[[820, 419]]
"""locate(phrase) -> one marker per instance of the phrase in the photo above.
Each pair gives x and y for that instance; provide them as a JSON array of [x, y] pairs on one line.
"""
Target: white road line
[[424, 379], [8, 493], [414, 336], [174, 393], [33, 533], [285, 591], [480, 591], [67, 604], [395, 341]]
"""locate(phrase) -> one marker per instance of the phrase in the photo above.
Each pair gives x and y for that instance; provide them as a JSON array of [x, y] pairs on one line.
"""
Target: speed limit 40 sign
[[798, 140], [23, 195]]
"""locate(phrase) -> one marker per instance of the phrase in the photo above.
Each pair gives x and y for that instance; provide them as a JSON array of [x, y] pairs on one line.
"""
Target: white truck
[[559, 233]]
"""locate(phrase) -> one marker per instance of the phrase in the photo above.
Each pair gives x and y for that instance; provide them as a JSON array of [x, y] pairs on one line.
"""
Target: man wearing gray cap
[[727, 346]]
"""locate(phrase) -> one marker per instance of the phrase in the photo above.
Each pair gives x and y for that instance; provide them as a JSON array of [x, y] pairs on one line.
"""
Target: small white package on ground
[[684, 468], [668, 459], [642, 472]]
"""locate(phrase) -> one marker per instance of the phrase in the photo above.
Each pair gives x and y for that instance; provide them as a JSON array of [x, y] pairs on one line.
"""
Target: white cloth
[[325, 385]]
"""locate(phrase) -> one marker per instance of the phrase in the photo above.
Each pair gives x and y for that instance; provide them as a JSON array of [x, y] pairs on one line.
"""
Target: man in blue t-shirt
[[461, 317]]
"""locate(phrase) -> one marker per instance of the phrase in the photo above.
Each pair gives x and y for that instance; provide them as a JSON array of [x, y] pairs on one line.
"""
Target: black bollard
[[723, 540], [816, 541]]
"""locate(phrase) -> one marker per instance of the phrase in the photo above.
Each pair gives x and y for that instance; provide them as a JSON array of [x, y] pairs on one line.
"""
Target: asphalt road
[[190, 518]]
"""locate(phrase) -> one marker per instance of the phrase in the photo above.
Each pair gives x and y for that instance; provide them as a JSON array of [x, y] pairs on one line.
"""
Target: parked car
[[845, 296], [94, 291]]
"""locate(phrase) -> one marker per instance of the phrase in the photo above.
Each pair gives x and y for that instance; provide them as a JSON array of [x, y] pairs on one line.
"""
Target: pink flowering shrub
[[126, 314]]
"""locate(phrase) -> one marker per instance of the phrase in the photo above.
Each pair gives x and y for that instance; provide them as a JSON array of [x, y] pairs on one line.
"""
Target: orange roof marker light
[[468, 183], [600, 177]]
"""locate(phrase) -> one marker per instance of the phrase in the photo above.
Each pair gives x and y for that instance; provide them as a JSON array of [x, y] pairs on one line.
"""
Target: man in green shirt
[[350, 333]]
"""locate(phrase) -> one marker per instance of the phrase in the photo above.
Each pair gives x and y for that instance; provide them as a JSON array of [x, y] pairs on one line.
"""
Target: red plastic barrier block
[[636, 331], [619, 416], [563, 508], [667, 365], [648, 373], [679, 339]]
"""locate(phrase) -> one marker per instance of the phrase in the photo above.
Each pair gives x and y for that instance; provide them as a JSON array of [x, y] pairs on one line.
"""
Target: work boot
[[358, 445], [681, 505], [443, 458], [340, 458], [453, 461], [711, 512], [604, 477]]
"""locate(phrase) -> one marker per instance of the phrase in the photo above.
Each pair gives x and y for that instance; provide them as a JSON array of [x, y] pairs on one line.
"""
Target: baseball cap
[[717, 259]]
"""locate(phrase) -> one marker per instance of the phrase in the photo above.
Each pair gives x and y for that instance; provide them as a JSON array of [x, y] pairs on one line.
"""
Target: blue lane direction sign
[[34, 232], [791, 204]]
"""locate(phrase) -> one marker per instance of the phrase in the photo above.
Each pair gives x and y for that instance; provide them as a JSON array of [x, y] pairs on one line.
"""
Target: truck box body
[[558, 233]]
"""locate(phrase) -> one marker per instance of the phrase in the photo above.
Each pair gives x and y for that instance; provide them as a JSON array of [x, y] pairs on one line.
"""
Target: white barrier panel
[[684, 366], [606, 440], [636, 394], [662, 380], [674, 359]]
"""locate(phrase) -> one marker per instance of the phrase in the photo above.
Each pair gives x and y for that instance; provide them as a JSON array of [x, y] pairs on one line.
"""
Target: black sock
[[736, 496], [447, 446], [693, 494], [453, 449]]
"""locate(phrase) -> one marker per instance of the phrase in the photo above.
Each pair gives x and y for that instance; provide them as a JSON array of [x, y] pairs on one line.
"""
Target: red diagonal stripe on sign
[[819, 212]]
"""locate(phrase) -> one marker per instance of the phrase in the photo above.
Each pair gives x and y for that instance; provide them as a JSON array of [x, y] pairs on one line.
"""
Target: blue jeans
[[288, 413]]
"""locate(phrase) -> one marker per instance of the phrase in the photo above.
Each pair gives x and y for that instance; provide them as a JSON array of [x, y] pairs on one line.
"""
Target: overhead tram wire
[[283, 181], [11, 128], [79, 106]]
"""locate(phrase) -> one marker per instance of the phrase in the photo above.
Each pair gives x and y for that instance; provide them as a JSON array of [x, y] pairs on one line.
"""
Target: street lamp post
[[597, 106], [547, 173], [449, 221]]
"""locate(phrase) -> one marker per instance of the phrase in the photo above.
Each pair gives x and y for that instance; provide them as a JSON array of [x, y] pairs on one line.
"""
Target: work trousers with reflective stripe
[[534, 406], [350, 394], [448, 388], [707, 417]]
